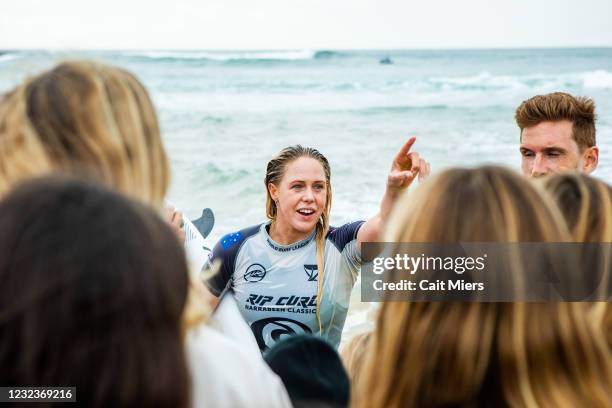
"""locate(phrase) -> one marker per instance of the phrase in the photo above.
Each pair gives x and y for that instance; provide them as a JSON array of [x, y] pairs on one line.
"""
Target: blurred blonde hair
[[87, 119], [586, 204], [92, 121], [438, 354], [353, 354]]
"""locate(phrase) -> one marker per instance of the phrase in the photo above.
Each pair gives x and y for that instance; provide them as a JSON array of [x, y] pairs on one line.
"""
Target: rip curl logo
[[268, 331], [312, 271], [255, 273]]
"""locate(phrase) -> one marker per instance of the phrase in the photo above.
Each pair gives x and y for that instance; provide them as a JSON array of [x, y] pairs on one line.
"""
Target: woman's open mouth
[[306, 213]]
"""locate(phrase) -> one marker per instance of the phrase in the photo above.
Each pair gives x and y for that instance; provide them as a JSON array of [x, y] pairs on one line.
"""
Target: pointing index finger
[[406, 147]]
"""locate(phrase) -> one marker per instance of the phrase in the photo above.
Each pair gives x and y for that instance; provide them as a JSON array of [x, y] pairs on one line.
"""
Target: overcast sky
[[298, 24]]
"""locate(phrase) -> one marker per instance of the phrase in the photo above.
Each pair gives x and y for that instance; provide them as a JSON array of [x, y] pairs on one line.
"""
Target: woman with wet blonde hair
[[473, 354], [294, 273], [87, 119], [586, 204]]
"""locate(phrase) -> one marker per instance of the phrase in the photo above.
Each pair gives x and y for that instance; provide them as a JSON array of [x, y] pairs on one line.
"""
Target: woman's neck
[[285, 235]]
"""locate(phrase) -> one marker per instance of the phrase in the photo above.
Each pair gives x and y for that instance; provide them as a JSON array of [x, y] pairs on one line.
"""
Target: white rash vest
[[275, 285]]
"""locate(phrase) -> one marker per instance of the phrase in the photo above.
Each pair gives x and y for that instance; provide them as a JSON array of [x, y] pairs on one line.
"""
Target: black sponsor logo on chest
[[300, 301]]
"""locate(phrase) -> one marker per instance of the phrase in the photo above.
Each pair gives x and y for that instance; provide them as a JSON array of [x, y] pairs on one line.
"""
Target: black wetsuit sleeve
[[218, 282], [341, 236]]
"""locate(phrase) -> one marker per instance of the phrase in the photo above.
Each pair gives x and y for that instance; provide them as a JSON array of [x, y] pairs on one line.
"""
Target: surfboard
[[195, 245]]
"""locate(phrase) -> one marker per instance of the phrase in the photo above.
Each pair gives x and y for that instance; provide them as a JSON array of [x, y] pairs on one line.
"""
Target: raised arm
[[405, 168]]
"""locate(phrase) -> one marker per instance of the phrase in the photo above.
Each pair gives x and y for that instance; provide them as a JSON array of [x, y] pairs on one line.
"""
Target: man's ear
[[590, 159], [273, 191]]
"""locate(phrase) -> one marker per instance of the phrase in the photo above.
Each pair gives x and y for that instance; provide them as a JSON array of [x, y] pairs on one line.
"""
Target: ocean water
[[225, 114]]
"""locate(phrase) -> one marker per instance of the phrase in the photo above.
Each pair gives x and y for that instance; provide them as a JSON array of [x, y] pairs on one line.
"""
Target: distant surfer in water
[[295, 273]]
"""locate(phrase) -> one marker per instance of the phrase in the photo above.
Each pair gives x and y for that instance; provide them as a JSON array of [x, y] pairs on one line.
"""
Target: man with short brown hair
[[557, 134]]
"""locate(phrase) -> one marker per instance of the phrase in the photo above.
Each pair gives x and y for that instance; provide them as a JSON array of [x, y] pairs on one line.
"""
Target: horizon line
[[467, 48]]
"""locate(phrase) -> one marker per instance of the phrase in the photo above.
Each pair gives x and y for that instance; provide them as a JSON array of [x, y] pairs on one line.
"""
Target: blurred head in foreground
[[89, 120], [92, 121], [311, 370], [557, 134], [441, 354], [586, 204], [92, 292]]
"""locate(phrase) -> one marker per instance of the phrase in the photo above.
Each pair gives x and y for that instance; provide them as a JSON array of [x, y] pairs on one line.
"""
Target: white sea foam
[[599, 79], [485, 80], [227, 56], [8, 57]]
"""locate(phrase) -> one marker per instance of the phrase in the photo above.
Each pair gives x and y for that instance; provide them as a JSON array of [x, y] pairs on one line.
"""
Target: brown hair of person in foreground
[[87, 119], [586, 204], [440, 354], [93, 291]]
